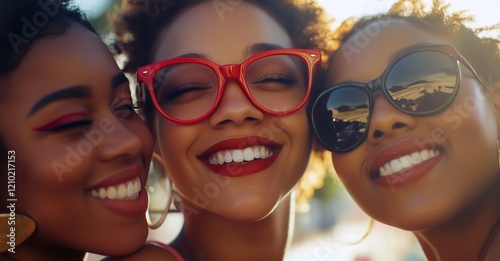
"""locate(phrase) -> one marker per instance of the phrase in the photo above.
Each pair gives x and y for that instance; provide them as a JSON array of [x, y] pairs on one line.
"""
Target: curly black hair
[[138, 23], [22, 23], [483, 53]]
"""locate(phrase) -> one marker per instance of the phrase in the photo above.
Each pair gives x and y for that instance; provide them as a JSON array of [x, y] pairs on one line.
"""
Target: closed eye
[[185, 88], [66, 122], [281, 78]]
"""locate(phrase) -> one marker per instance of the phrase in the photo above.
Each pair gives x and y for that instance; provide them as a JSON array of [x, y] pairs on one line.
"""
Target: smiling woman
[[81, 152], [227, 102], [413, 164]]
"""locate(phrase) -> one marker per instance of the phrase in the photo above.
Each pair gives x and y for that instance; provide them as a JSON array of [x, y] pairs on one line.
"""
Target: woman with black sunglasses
[[225, 85], [411, 116]]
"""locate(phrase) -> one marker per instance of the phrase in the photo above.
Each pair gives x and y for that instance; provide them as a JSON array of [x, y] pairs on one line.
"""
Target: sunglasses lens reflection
[[341, 118], [422, 82]]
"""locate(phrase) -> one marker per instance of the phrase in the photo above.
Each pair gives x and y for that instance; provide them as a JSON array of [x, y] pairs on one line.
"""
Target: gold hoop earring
[[159, 188], [498, 152], [14, 230]]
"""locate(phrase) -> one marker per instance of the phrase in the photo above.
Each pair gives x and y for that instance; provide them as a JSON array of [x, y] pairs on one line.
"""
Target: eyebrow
[[73, 92], [118, 80], [249, 51], [260, 47]]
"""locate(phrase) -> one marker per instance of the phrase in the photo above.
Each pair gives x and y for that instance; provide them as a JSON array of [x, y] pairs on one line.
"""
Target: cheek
[[470, 124], [473, 136], [140, 129], [174, 143], [53, 177], [299, 132]]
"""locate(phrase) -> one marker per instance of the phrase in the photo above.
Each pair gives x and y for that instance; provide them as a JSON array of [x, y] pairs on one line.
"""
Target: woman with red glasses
[[412, 120], [226, 93], [74, 154]]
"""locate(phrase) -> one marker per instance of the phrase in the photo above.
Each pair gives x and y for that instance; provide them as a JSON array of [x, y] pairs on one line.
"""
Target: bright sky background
[[486, 12]]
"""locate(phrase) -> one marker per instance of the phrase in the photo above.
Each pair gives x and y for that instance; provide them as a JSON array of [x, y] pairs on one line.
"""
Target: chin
[[121, 244], [247, 210], [416, 221]]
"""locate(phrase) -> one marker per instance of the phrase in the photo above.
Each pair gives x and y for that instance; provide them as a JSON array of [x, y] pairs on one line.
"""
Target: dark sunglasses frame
[[146, 74], [380, 84]]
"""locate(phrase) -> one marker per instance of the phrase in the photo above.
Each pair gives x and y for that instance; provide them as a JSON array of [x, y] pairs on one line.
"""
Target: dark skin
[[251, 213], [453, 210], [69, 98]]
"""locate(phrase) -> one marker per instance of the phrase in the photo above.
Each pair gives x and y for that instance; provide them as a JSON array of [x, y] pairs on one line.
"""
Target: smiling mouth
[[240, 155], [126, 190], [407, 162]]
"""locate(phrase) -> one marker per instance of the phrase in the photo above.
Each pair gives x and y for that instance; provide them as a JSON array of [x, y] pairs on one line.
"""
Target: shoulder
[[150, 251]]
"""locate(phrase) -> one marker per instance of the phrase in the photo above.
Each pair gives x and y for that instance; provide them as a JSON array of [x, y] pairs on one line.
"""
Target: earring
[[160, 192], [14, 230], [498, 152]]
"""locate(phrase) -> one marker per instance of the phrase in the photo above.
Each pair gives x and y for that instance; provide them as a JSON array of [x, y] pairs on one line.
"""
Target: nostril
[[377, 134]]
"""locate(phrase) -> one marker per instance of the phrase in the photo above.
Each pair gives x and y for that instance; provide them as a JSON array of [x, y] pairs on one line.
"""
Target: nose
[[235, 108], [120, 140], [386, 120]]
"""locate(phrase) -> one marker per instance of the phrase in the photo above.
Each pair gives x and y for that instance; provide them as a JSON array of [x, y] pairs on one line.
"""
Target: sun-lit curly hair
[[483, 53], [137, 24]]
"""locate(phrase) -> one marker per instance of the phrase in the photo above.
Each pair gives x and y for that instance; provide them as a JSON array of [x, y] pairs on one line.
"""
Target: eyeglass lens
[[189, 90]]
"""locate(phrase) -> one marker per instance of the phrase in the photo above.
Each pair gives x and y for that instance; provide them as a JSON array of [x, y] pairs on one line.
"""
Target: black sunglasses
[[422, 81]]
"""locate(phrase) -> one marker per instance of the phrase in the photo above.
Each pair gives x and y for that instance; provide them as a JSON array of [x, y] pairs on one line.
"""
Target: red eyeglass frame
[[145, 74]]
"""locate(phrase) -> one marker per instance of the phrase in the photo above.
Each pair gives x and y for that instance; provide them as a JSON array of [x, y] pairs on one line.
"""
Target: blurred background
[[329, 225]]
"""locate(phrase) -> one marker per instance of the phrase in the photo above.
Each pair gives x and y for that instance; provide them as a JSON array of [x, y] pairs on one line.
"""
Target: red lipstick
[[270, 151], [404, 162]]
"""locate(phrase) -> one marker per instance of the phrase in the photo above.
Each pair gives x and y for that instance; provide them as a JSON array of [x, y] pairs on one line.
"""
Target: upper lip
[[399, 149], [128, 173], [240, 143]]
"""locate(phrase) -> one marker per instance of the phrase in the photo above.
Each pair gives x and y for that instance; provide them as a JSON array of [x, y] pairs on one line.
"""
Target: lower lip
[[410, 175], [242, 169], [127, 207]]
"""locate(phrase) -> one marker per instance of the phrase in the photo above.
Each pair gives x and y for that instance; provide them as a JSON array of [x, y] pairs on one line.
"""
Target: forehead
[[367, 53], [76, 57], [222, 33]]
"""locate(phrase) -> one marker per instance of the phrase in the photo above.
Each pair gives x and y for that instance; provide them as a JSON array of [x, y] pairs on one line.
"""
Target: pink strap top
[[169, 249]]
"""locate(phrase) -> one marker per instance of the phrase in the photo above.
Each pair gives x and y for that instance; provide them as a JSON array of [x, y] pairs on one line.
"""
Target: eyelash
[[72, 125], [66, 122], [124, 108], [130, 106], [185, 89]]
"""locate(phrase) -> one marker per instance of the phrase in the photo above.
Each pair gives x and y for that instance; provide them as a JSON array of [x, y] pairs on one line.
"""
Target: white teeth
[[238, 156], [126, 190], [256, 152], [227, 157], [405, 162], [112, 193], [415, 158], [248, 154]]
